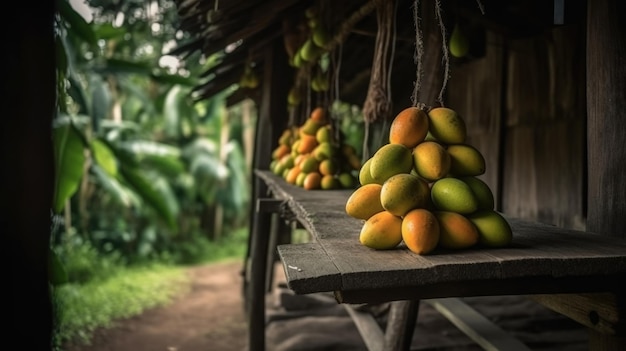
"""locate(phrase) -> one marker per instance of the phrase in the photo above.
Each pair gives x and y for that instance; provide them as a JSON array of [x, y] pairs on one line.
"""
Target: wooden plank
[[606, 111], [515, 286], [538, 251], [601, 312], [480, 329], [367, 326], [308, 269], [606, 121]]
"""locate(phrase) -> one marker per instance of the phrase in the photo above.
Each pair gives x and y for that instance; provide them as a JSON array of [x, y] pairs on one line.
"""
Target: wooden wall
[[524, 103]]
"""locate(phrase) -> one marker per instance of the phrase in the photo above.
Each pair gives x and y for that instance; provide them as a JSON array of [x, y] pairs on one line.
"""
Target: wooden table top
[[542, 258]]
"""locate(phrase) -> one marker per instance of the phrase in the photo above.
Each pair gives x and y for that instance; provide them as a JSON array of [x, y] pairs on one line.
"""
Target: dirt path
[[209, 317]]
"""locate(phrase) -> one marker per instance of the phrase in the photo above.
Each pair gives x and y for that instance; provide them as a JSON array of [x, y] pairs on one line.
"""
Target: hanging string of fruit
[[309, 155], [422, 189]]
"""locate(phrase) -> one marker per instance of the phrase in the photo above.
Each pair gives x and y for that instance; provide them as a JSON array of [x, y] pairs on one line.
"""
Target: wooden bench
[[576, 273]]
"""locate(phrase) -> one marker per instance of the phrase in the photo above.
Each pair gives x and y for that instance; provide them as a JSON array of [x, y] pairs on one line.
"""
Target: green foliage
[[81, 308], [102, 288], [83, 263], [69, 159], [197, 249]]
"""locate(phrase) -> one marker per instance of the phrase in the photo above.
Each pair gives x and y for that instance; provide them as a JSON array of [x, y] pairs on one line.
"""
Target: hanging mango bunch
[[249, 78]]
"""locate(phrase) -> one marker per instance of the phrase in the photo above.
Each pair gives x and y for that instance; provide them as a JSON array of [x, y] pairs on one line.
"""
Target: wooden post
[[27, 177], [606, 123], [272, 119]]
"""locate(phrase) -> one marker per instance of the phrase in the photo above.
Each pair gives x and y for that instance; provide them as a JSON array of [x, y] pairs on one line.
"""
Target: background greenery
[[148, 179]]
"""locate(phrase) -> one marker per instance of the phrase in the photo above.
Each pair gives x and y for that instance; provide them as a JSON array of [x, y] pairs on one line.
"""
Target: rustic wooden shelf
[[542, 259]]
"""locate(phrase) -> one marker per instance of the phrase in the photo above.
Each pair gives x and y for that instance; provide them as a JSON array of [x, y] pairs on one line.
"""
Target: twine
[[378, 103], [446, 56], [419, 52]]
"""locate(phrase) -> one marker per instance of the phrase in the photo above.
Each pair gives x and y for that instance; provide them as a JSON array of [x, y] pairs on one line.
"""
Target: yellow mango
[[456, 231], [403, 192], [389, 160], [382, 231], [364, 201], [446, 125], [431, 160], [466, 160]]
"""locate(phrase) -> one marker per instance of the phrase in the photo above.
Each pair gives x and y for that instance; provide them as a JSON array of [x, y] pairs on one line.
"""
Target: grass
[[82, 308], [124, 291]]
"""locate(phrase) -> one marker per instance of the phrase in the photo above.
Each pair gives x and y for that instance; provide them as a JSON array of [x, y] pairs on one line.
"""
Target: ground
[[209, 317]]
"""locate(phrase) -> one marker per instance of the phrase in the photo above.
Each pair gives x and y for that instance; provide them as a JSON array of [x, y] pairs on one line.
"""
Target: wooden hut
[[542, 89]]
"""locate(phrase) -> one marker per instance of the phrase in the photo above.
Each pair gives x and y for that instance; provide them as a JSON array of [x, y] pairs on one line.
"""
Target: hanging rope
[[378, 101], [446, 56], [419, 53]]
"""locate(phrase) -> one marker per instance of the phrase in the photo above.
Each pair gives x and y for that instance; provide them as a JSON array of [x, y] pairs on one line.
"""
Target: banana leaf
[[118, 191], [156, 193], [104, 157], [76, 22], [69, 159]]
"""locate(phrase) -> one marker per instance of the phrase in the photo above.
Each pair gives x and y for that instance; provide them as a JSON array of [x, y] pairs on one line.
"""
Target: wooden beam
[[606, 122], [368, 327], [478, 328], [601, 312]]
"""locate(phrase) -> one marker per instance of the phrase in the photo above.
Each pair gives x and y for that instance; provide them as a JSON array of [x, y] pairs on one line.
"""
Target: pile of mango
[[422, 188], [309, 156]]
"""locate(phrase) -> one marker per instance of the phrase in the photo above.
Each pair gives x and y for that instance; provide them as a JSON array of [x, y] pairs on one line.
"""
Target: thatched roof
[[242, 28]]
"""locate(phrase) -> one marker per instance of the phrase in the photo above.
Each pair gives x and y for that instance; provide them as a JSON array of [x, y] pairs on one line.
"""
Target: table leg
[[401, 325], [258, 271]]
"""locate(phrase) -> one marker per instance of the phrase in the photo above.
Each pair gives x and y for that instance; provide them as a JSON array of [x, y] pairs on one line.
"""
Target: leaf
[[107, 31], [171, 113], [116, 66], [234, 193], [155, 194], [104, 157], [69, 159], [138, 93], [101, 99], [167, 165], [76, 22], [57, 275], [174, 79], [163, 157], [76, 91], [119, 192]]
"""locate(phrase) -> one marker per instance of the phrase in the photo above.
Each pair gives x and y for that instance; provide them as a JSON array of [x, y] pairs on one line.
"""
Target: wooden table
[[543, 261]]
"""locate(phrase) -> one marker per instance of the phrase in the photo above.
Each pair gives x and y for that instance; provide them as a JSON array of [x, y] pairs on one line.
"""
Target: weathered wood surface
[[541, 259]]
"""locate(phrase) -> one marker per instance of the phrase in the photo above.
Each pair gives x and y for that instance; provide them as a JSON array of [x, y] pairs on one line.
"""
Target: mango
[[446, 125], [382, 231], [323, 151], [329, 182], [324, 134], [364, 202], [346, 180], [431, 160], [389, 160], [459, 42], [466, 160], [452, 194], [456, 231], [409, 127], [481, 190], [420, 231], [493, 229], [365, 177], [403, 192]]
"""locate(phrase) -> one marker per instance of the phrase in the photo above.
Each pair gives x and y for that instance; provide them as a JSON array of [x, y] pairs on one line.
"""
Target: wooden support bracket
[[602, 312]]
